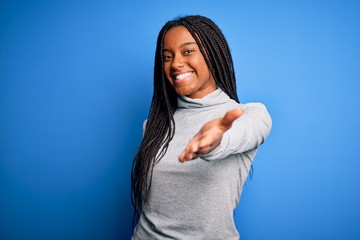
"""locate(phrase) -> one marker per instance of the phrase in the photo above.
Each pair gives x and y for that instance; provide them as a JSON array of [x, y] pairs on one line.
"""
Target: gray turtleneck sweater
[[196, 199]]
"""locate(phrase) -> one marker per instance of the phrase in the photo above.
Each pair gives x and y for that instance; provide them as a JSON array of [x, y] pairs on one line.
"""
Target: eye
[[166, 58], [188, 52]]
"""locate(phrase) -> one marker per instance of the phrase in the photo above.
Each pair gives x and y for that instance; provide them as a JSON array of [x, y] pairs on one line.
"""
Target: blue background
[[76, 85]]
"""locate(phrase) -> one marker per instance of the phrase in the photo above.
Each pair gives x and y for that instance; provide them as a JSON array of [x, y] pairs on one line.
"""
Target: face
[[184, 65]]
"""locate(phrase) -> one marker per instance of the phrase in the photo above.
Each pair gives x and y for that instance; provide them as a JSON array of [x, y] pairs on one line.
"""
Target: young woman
[[198, 142]]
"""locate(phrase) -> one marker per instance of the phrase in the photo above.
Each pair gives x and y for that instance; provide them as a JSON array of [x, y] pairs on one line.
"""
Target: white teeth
[[183, 76]]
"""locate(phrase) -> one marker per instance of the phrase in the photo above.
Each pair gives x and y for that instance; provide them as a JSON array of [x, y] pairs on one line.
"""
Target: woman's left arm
[[240, 130]]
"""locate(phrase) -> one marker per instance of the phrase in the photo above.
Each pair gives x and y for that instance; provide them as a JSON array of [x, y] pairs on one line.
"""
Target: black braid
[[160, 126], [216, 52]]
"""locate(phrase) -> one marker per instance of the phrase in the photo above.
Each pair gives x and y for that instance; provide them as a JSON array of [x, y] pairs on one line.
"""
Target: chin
[[182, 93]]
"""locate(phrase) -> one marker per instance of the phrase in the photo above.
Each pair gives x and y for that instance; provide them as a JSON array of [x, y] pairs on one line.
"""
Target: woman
[[198, 142]]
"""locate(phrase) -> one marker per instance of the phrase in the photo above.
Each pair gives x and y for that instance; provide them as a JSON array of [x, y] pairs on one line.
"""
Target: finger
[[192, 156], [207, 140], [231, 116], [204, 150], [194, 143], [187, 157], [182, 157], [208, 145], [193, 146], [189, 151]]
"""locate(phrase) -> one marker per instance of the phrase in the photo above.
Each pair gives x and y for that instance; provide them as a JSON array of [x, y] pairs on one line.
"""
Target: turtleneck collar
[[214, 98]]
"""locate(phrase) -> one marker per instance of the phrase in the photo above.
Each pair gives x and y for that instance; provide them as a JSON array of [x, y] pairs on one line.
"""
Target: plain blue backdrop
[[76, 85]]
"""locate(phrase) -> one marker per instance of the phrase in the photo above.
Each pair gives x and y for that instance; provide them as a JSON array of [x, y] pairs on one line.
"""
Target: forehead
[[177, 36]]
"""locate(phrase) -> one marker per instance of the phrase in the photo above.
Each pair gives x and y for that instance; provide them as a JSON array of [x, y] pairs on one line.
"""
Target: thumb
[[231, 116]]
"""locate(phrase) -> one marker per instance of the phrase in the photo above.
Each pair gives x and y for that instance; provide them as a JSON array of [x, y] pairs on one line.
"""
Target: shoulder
[[252, 105], [257, 110]]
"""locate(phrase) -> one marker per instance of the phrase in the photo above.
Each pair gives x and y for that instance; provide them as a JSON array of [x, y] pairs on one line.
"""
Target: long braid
[[160, 126], [157, 135]]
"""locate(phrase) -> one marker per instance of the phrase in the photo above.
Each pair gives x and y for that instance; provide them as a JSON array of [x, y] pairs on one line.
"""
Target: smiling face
[[184, 65]]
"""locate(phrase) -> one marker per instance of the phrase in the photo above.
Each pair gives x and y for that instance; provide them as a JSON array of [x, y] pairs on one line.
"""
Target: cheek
[[200, 64], [204, 70]]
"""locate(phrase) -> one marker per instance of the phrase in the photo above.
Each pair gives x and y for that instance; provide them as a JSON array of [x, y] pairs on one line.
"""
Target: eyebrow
[[181, 45]]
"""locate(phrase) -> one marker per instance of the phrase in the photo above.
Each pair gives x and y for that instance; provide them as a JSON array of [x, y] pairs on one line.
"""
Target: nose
[[178, 62]]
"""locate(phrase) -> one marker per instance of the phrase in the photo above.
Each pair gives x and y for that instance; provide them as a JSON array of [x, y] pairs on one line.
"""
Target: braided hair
[[160, 125]]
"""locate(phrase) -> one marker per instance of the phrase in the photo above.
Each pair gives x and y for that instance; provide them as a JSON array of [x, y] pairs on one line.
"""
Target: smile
[[183, 76]]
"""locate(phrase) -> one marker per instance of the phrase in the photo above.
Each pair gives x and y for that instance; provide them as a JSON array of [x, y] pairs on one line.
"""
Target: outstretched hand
[[209, 136]]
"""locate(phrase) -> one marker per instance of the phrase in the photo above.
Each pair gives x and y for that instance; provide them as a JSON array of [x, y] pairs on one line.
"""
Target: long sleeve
[[196, 199], [247, 133]]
